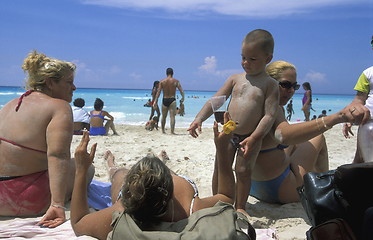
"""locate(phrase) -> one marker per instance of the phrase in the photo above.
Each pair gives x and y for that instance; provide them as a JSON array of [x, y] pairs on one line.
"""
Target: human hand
[[155, 104], [54, 217], [221, 139], [83, 159], [356, 113], [347, 130], [196, 124], [247, 145]]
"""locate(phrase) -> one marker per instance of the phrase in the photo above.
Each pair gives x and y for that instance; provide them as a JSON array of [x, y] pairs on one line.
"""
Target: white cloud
[[136, 76], [315, 77], [210, 68], [243, 8]]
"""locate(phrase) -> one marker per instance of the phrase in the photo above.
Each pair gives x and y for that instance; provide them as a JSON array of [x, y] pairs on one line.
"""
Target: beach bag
[[335, 229], [345, 192], [321, 198], [218, 222]]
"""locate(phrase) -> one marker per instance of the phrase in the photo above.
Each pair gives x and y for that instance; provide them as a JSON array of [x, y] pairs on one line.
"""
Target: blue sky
[[130, 43]]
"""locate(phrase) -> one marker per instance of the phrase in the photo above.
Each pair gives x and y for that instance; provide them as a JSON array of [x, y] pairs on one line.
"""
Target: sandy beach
[[195, 158]]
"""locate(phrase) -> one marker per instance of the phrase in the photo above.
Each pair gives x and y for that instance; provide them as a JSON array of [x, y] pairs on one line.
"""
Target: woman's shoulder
[[58, 105]]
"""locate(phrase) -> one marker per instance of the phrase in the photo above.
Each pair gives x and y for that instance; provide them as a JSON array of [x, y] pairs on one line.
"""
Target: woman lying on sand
[[291, 150], [149, 191]]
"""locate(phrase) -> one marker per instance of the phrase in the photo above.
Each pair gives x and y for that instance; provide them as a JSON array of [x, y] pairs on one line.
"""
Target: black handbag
[[321, 198], [335, 229], [342, 193]]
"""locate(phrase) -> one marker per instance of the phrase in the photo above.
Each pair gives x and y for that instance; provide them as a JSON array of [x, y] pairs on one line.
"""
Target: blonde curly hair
[[39, 67]]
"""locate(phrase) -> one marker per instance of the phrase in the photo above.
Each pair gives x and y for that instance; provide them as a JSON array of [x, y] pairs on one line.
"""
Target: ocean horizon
[[127, 105]]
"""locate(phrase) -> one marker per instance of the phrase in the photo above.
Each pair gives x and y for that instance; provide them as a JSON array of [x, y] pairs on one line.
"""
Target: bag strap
[[243, 223]]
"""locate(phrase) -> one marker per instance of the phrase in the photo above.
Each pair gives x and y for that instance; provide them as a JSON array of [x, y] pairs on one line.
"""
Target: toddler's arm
[[206, 110]]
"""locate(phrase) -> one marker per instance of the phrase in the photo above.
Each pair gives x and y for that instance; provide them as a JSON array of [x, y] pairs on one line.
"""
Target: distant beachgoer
[[155, 108], [98, 118], [80, 116], [148, 103], [36, 129], [289, 110], [307, 100], [323, 114], [169, 85], [253, 104], [149, 192], [313, 117], [151, 124], [361, 102]]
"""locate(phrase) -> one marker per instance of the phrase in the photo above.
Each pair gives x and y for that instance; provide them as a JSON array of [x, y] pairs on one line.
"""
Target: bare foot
[[109, 157], [163, 156]]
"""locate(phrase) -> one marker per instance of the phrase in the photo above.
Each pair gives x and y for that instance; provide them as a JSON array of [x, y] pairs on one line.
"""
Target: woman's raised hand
[[83, 159]]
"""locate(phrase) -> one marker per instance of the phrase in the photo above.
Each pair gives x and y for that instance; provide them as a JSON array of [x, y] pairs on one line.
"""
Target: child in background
[[289, 110], [151, 124], [254, 103], [323, 114]]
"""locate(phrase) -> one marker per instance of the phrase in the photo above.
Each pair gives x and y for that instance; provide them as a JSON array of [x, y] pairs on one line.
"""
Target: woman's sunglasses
[[288, 85]]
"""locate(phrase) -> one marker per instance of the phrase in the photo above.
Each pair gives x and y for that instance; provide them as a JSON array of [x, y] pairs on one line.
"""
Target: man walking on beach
[[169, 85]]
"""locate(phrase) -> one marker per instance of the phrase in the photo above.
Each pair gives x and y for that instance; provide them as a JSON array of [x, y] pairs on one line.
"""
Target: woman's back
[[24, 132], [97, 118]]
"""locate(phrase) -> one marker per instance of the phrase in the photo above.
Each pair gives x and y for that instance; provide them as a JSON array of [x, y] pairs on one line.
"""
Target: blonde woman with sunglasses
[[291, 150]]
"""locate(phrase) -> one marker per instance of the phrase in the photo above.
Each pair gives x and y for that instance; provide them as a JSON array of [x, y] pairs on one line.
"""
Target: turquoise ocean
[[127, 105]]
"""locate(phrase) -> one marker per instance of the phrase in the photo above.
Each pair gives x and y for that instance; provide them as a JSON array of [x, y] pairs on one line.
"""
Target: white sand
[[195, 158]]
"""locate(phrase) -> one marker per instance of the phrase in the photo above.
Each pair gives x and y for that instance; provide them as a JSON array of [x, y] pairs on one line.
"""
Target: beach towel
[[99, 195], [26, 228]]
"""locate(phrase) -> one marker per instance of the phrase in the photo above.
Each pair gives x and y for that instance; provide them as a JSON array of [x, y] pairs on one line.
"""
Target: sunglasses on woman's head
[[288, 85]]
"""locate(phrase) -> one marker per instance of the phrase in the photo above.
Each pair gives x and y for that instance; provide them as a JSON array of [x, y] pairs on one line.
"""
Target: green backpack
[[218, 222]]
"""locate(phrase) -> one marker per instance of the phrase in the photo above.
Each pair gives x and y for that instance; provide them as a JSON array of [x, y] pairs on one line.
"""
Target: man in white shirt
[[81, 116]]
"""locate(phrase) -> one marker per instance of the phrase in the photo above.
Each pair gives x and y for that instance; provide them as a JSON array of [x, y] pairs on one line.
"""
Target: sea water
[[127, 105]]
